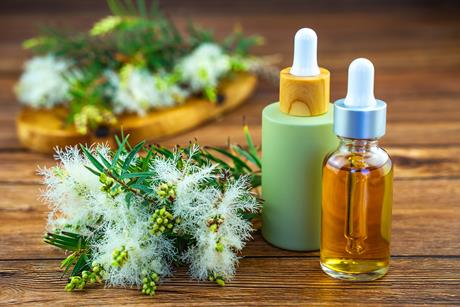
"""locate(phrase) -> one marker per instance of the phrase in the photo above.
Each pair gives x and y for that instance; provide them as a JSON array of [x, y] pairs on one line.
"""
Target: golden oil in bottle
[[356, 211], [357, 185]]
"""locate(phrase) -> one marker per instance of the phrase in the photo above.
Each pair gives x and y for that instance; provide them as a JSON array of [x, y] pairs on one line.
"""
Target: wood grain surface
[[415, 46]]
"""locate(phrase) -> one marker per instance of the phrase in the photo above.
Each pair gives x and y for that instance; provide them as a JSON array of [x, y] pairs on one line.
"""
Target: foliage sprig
[[145, 208], [105, 71]]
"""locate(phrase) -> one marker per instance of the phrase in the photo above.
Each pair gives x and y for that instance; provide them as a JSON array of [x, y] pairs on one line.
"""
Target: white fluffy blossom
[[198, 206], [136, 90], [204, 66], [73, 191], [199, 209], [144, 255], [43, 84], [78, 205], [231, 234]]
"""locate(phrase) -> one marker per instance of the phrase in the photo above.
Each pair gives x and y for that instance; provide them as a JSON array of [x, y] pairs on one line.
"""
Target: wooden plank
[[413, 103], [218, 132], [424, 222], [266, 281], [21, 167], [398, 134], [410, 123]]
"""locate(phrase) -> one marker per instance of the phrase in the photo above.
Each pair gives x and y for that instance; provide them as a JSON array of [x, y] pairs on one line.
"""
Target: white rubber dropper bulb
[[360, 84], [305, 63]]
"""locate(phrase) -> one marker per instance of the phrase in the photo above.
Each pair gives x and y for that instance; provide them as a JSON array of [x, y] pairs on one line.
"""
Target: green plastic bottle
[[297, 134]]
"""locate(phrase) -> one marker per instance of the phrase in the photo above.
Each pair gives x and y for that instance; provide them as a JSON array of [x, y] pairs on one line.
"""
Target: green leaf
[[82, 264], [93, 171], [67, 263], [104, 160], [142, 188], [256, 180], [246, 154], [237, 161], [66, 240], [136, 175], [251, 147], [213, 158], [146, 160], [142, 8], [121, 148], [128, 198], [92, 159], [131, 156], [249, 216], [163, 151]]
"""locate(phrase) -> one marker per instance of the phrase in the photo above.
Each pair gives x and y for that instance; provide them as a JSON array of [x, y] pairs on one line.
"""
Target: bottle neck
[[357, 145]]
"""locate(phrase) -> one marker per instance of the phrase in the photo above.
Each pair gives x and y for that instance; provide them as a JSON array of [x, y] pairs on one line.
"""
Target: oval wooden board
[[43, 130]]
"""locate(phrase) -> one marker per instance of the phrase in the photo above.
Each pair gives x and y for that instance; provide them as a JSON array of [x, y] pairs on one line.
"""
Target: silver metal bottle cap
[[360, 115]]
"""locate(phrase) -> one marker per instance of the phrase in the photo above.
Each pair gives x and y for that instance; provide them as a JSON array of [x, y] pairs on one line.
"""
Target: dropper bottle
[[296, 136], [357, 185]]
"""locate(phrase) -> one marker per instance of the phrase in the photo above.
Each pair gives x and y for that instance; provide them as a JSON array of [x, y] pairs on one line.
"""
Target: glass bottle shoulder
[[347, 159]]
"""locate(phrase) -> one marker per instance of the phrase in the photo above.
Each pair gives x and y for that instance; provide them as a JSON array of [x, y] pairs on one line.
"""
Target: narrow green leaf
[[246, 154], [163, 151], [251, 147], [128, 199], [136, 175], [142, 9], [71, 234], [93, 171], [63, 239], [67, 263], [142, 188], [121, 148], [249, 216], [256, 180], [81, 265], [106, 163], [92, 159], [146, 160], [217, 160], [68, 260], [60, 245], [131, 156], [237, 161]]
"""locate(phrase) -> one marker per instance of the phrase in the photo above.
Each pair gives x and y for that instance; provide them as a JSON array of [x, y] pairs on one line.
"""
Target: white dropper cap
[[305, 49], [360, 84]]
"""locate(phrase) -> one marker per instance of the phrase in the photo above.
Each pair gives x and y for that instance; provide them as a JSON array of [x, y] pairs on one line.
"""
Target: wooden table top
[[416, 52]]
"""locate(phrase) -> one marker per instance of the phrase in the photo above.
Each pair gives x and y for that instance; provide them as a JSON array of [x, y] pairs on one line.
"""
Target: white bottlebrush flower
[[185, 181], [42, 84], [204, 259], [73, 192], [198, 208], [217, 245], [137, 90], [204, 66], [146, 253]]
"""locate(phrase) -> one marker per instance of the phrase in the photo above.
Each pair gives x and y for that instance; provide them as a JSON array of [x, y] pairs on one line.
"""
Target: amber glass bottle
[[356, 216], [357, 185]]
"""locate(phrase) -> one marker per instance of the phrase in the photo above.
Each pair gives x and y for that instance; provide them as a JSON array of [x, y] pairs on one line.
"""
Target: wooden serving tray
[[43, 130]]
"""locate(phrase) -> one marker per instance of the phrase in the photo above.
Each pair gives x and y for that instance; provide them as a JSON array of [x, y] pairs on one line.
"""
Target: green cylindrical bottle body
[[293, 151]]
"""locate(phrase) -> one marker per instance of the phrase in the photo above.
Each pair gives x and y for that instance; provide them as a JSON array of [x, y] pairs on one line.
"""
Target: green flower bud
[[220, 282], [219, 247], [213, 227]]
